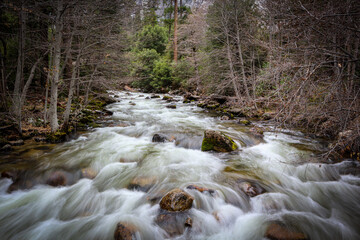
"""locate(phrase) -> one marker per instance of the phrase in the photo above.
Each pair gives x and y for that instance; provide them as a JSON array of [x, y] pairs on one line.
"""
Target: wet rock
[[57, 178], [132, 103], [276, 231], [217, 141], [172, 106], [40, 139], [10, 174], [105, 98], [201, 189], [88, 173], [159, 138], [147, 98], [17, 143], [257, 132], [225, 118], [125, 231], [107, 112], [6, 148], [154, 96], [176, 200], [249, 189], [244, 122], [174, 223], [167, 98], [142, 183]]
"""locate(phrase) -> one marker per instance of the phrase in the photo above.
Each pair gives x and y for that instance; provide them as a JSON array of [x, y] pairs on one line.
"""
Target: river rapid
[[320, 200]]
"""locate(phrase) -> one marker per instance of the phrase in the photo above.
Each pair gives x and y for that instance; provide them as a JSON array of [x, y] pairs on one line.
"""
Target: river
[[320, 200]]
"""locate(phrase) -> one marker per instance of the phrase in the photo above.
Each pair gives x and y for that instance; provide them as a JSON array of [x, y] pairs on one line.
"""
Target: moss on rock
[[217, 141]]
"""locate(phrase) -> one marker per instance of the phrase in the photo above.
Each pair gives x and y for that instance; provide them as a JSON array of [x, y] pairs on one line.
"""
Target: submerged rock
[[176, 200], [250, 189], [57, 178], [88, 173], [201, 189], [142, 183], [174, 223], [217, 141], [276, 231], [125, 231], [6, 148]]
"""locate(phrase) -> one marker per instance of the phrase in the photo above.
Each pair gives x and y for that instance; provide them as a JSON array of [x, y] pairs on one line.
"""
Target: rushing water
[[320, 200]]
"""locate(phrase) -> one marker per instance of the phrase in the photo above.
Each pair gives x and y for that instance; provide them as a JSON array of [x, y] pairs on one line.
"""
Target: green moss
[[56, 137], [245, 122], [201, 105], [207, 144]]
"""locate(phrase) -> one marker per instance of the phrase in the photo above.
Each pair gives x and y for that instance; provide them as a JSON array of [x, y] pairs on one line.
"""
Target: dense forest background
[[296, 61]]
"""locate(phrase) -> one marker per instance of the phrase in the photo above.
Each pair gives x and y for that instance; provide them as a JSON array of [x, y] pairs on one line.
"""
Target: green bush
[[161, 75], [152, 37]]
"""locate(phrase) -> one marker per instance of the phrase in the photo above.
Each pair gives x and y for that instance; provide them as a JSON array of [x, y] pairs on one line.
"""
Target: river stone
[[17, 142], [173, 223], [142, 183], [217, 141], [201, 189], [176, 200], [159, 138], [154, 96], [172, 106], [125, 231], [276, 231], [57, 179], [88, 173]]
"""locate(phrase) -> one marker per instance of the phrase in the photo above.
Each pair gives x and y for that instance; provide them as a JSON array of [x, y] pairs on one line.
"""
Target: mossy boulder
[[167, 98], [176, 200], [217, 141]]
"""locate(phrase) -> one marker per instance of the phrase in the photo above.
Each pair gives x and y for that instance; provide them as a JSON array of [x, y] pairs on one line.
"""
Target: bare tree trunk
[[242, 65], [3, 78], [86, 101], [175, 31], [54, 125], [28, 82], [71, 91], [231, 66], [48, 79], [16, 109]]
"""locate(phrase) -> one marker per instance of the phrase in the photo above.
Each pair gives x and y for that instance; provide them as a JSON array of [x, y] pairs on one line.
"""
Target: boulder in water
[[217, 141], [167, 98], [125, 231], [276, 231], [57, 178], [17, 142], [176, 200], [172, 106], [88, 173], [159, 138], [142, 183], [249, 189], [155, 96], [173, 223]]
